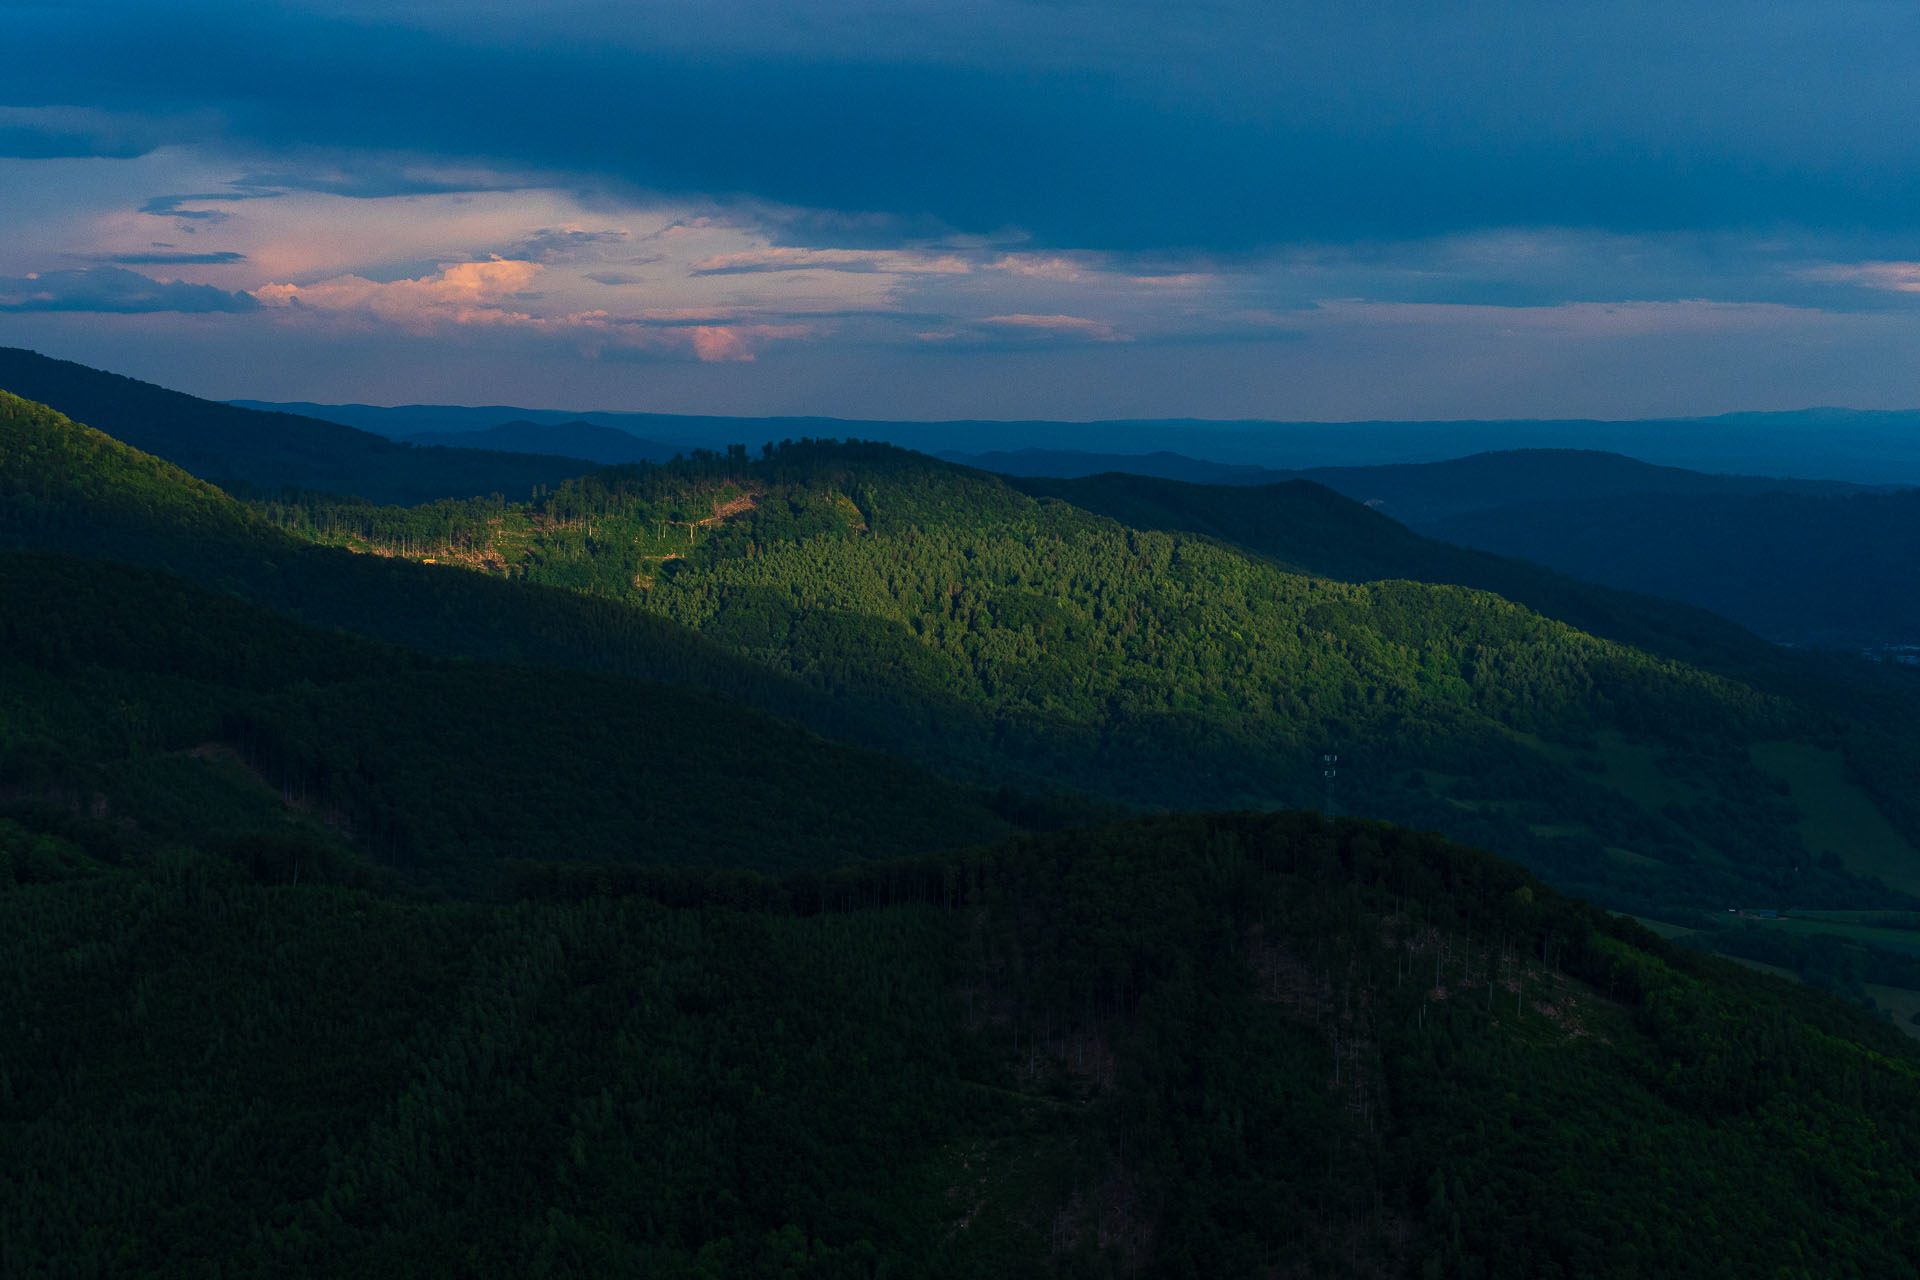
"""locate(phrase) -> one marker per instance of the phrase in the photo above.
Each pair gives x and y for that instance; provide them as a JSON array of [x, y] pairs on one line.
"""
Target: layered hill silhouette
[[1861, 446], [1420, 493], [246, 450], [1833, 571], [1809, 562], [170, 712], [918, 608], [605, 445], [1007, 638], [1758, 550], [342, 954]]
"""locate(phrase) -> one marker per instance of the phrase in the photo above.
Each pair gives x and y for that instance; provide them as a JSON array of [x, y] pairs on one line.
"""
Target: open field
[[1838, 815], [1902, 940], [1903, 1004]]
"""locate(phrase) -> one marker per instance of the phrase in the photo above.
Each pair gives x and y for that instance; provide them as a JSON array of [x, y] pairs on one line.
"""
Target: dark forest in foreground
[[1209, 1045]]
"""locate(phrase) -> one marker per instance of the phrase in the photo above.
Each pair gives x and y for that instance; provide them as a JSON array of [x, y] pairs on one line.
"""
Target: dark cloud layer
[[552, 244], [111, 289], [1391, 122], [57, 136], [167, 259], [172, 206]]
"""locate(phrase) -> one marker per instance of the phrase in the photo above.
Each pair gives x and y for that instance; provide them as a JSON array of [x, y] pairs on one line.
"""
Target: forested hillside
[[1809, 562], [1305, 527], [341, 954], [188, 716], [1867, 708], [1193, 1046], [249, 451], [1007, 638], [74, 490]]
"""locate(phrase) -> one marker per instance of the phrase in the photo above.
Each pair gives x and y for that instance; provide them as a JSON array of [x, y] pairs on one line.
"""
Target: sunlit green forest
[[764, 867], [1180, 662]]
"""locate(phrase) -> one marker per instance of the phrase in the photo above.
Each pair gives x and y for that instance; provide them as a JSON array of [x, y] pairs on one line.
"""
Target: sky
[[926, 209]]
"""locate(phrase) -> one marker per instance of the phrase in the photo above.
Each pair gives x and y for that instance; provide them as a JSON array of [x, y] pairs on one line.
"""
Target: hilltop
[[1808, 562], [250, 451], [1005, 637]]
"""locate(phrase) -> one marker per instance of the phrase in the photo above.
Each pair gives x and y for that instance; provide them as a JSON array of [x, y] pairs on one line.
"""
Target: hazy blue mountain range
[[1072, 464], [608, 446], [1839, 571], [264, 452], [1814, 571], [1812, 562], [1862, 447], [1419, 493]]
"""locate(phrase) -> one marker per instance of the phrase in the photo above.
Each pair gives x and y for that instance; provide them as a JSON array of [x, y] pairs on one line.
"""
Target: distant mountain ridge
[[1802, 568], [1417, 492], [1811, 562], [250, 450], [1072, 464], [1863, 447], [609, 446]]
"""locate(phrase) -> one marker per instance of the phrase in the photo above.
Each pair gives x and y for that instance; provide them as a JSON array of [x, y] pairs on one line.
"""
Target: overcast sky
[[996, 208]]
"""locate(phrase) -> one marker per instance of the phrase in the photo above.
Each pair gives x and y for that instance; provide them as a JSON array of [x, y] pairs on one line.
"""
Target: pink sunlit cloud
[[1901, 277], [472, 294]]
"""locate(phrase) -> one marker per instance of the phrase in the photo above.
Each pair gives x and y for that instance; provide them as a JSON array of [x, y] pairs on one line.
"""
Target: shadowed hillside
[[1222, 1045], [1835, 571], [246, 450]]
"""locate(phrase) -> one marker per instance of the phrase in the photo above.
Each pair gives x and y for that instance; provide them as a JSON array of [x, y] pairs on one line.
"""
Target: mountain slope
[[246, 449], [1009, 639], [1869, 708], [1863, 447], [1226, 1045], [145, 692], [1803, 561], [1307, 528], [75, 490], [943, 615], [1834, 571]]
